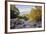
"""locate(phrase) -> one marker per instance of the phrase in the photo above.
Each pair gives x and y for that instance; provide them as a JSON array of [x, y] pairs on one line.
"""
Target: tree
[[35, 14], [14, 12]]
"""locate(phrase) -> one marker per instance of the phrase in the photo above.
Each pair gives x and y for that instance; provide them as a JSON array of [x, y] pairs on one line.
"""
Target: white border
[[27, 29]]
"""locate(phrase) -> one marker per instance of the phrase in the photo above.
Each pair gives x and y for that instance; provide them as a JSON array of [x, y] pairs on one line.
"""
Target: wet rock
[[21, 23], [35, 25]]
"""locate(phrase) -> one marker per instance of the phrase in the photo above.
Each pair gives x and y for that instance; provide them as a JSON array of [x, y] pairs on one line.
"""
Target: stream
[[21, 23]]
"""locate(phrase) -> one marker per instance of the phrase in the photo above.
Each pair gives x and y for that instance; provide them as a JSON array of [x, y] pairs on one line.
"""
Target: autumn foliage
[[35, 14]]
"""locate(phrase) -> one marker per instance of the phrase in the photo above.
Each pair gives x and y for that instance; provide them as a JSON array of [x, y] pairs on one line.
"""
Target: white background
[[2, 17]]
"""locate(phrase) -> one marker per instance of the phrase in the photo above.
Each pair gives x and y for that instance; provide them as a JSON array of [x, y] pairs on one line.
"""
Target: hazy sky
[[24, 9]]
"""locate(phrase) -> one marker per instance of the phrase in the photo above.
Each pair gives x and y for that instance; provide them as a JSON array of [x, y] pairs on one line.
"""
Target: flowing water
[[21, 23]]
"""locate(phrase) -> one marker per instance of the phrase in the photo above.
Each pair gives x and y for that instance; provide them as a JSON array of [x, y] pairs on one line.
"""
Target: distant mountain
[[24, 12]]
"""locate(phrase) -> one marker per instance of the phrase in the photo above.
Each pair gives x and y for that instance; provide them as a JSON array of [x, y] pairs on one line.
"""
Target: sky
[[24, 9]]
